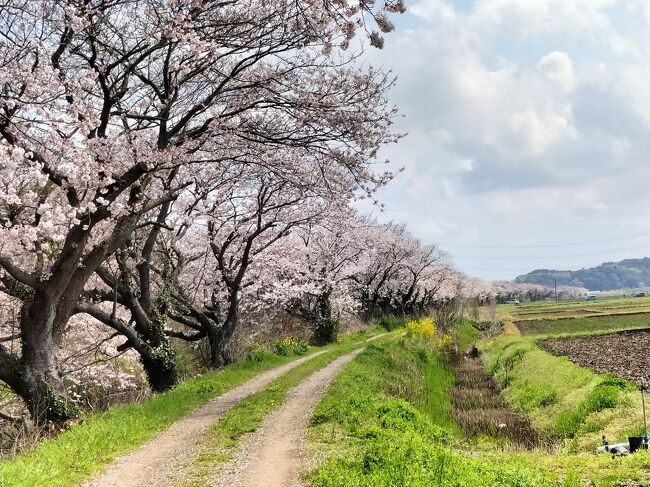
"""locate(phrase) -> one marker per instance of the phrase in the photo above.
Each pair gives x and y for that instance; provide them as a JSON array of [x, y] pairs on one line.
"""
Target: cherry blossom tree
[[257, 213], [111, 109], [139, 279], [325, 257], [387, 251], [353, 264]]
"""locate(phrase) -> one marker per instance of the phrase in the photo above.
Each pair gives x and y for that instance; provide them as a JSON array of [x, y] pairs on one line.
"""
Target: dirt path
[[155, 461], [272, 456], [509, 328]]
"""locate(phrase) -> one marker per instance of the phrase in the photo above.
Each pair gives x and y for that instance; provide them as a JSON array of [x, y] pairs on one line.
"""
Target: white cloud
[[434, 11], [528, 121], [568, 19], [558, 67]]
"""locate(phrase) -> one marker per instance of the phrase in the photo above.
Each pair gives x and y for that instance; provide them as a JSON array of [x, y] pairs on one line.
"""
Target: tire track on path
[[156, 460], [273, 455], [154, 463]]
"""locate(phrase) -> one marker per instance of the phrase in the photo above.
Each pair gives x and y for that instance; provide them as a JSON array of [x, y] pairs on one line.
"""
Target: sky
[[528, 128]]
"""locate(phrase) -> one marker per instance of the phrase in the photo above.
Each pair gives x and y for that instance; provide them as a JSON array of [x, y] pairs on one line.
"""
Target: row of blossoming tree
[[169, 165], [163, 162]]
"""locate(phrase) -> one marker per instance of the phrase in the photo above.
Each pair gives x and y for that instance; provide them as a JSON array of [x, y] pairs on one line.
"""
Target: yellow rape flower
[[423, 328]]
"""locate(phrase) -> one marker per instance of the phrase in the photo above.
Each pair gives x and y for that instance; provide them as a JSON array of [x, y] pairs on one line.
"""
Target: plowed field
[[624, 354]]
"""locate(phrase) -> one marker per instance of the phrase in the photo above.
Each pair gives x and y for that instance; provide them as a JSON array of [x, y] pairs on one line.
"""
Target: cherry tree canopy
[[112, 109]]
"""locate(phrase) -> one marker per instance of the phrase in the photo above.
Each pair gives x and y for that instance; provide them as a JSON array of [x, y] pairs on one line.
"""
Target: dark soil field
[[623, 354]]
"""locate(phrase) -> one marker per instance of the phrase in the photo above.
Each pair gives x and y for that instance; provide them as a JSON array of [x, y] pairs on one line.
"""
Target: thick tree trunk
[[327, 328], [158, 360], [161, 371], [156, 354], [42, 389], [35, 376], [219, 338], [366, 305]]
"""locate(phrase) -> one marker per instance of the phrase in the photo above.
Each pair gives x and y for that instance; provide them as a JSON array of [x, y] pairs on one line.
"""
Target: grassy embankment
[[376, 426], [563, 400], [95, 442], [569, 404]]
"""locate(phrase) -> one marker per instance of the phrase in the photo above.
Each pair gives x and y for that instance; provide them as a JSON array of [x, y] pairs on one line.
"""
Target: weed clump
[[258, 353], [289, 345], [390, 323]]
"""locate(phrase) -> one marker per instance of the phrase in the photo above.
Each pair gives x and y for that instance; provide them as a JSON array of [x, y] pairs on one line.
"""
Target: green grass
[[371, 433], [438, 379], [584, 325], [465, 334], [372, 429], [219, 443], [608, 394], [99, 439], [562, 399], [439, 376]]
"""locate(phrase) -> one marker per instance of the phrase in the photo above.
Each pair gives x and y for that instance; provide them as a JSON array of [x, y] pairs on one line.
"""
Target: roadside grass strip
[[99, 438]]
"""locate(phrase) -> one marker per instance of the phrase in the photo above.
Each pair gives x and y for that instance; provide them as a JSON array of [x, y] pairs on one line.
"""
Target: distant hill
[[628, 273]]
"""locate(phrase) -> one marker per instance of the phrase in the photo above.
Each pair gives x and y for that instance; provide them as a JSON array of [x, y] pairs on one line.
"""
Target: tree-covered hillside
[[629, 273]]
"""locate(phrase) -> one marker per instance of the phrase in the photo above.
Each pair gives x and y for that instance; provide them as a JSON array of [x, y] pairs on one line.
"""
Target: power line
[[585, 254], [545, 246], [497, 269]]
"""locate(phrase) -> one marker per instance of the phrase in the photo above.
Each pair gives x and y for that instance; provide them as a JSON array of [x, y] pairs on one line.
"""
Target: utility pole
[[644, 388], [556, 290]]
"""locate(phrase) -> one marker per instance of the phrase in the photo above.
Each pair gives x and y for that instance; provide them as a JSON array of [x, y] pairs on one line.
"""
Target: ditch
[[479, 409]]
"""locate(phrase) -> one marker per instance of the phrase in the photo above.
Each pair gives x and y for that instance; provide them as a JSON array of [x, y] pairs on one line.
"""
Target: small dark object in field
[[483, 325], [635, 443]]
